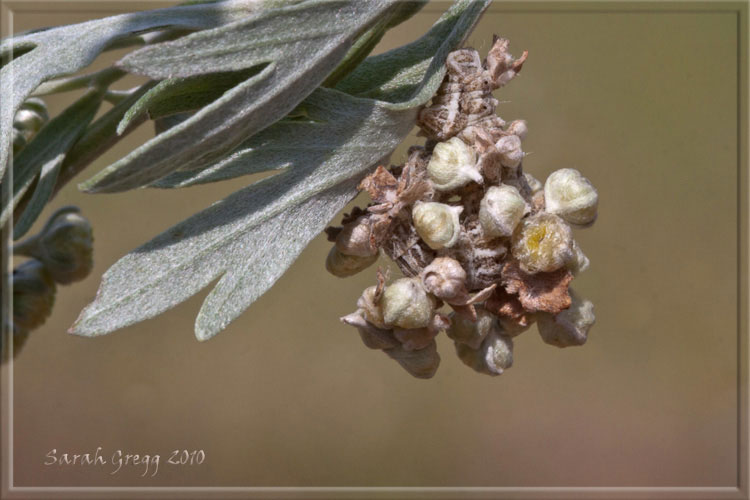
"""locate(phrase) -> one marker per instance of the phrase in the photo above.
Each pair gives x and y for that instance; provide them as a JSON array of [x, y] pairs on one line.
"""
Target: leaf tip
[[203, 334]]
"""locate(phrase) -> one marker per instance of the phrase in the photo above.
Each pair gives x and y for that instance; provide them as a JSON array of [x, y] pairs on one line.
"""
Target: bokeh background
[[644, 103]]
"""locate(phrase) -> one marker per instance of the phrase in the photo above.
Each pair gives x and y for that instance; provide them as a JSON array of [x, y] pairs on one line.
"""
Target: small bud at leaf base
[[571, 196], [452, 165], [66, 247], [500, 211], [437, 224], [405, 304], [28, 120], [33, 295]]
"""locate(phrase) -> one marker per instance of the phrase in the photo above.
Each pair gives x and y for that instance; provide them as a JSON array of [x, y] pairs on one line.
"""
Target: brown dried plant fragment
[[505, 305], [381, 185], [546, 292]]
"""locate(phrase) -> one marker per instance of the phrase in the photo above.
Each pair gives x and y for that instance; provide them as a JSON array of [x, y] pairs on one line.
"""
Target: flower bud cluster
[[469, 230], [61, 253]]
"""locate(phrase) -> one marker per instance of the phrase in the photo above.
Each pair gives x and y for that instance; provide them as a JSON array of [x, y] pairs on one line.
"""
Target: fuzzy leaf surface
[[48, 148], [300, 45], [249, 239], [178, 95], [32, 58]]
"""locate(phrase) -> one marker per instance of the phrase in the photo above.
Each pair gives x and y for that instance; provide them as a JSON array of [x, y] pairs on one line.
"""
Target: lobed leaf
[[32, 58], [178, 95], [42, 194], [48, 148], [250, 238], [300, 45]]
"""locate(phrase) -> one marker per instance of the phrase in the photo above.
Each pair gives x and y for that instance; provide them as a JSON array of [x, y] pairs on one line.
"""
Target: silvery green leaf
[[397, 75], [365, 43], [166, 122], [98, 138], [32, 58], [250, 238], [52, 141], [304, 143], [42, 194], [178, 95], [300, 45]]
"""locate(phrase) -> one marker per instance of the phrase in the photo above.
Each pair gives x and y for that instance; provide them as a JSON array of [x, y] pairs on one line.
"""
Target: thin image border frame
[[740, 491]]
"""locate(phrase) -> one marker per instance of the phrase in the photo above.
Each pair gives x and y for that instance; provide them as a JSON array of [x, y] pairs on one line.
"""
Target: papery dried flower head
[[470, 230]]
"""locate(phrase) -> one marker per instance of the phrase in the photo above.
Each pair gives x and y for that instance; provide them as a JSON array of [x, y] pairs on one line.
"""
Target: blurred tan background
[[644, 104]]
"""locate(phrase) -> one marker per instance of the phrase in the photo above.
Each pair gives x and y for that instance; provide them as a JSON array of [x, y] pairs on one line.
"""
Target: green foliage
[[254, 89]]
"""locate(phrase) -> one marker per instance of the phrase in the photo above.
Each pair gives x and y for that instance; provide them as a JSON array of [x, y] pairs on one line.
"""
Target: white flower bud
[[500, 211], [510, 151], [437, 224], [519, 128], [494, 355], [405, 304], [342, 265], [569, 327], [571, 196], [472, 333], [452, 165], [542, 243]]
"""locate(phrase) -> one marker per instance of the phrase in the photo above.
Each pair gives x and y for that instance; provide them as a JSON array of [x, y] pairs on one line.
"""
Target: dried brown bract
[[470, 230]]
